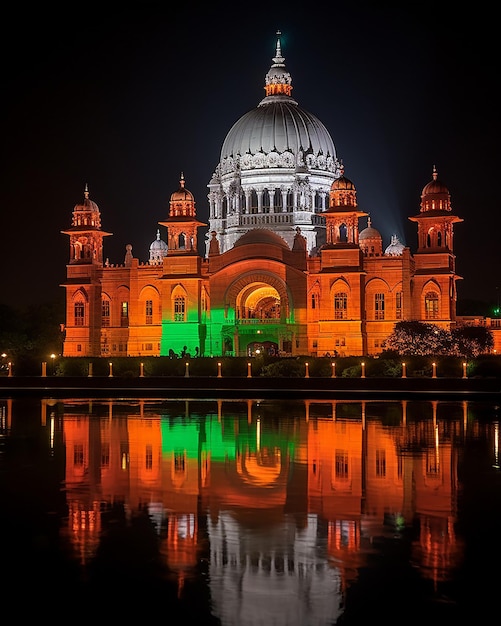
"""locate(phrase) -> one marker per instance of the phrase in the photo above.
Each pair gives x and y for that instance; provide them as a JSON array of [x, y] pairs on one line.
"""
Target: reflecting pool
[[243, 513]]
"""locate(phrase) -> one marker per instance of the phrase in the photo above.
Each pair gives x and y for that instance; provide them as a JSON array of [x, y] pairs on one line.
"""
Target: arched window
[[179, 309], [79, 313], [148, 311], [431, 302], [124, 313], [379, 306], [105, 312], [398, 305], [340, 305]]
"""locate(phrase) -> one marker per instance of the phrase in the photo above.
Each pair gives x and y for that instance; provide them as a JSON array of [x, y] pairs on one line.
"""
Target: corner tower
[[182, 224], [83, 280], [435, 262]]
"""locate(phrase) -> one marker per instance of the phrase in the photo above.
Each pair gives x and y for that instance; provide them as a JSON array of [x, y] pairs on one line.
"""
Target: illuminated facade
[[286, 268]]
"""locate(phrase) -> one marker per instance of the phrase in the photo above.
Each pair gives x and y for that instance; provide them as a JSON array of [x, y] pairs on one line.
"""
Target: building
[[286, 267]]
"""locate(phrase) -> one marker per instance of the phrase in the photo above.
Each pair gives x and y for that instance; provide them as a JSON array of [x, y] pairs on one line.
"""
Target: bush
[[285, 368]]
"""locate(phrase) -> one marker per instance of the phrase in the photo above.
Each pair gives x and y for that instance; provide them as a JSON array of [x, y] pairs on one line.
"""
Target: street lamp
[[52, 357]]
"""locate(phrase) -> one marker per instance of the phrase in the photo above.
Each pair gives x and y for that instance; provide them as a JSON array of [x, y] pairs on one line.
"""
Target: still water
[[243, 513]]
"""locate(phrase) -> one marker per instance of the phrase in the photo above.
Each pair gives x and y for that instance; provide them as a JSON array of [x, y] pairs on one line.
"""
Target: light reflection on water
[[307, 513]]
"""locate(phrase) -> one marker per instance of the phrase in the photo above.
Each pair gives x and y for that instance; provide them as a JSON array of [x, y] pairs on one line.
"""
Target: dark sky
[[125, 101]]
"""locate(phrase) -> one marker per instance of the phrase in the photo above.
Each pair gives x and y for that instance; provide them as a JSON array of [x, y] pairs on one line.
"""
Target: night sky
[[126, 101]]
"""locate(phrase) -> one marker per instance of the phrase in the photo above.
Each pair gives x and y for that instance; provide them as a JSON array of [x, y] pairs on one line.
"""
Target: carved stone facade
[[286, 268]]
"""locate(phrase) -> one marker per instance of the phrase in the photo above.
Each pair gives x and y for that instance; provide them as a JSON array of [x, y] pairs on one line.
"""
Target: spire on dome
[[278, 81], [278, 58]]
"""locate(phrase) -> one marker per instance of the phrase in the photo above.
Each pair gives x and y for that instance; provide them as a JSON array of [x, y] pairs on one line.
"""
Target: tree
[[420, 339], [416, 338], [471, 341]]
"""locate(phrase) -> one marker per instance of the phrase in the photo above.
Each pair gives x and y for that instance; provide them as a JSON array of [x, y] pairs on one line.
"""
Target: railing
[[257, 321]]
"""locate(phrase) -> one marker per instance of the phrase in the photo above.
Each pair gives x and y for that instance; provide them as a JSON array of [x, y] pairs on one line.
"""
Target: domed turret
[[396, 248], [370, 240], [182, 201], [87, 205], [435, 195], [86, 235], [342, 184], [182, 224], [158, 250], [342, 193]]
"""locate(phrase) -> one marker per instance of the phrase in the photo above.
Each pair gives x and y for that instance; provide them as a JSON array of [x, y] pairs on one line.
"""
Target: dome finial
[[86, 191], [181, 182], [435, 173], [278, 52], [278, 81]]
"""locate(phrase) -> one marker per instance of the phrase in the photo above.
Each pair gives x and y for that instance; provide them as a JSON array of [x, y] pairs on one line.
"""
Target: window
[[79, 313], [124, 456], [398, 305], [341, 464], [179, 461], [314, 300], [431, 305], [105, 312], [179, 309], [149, 457], [340, 306], [432, 464], [379, 306], [149, 311], [124, 314], [105, 455], [78, 455], [381, 463]]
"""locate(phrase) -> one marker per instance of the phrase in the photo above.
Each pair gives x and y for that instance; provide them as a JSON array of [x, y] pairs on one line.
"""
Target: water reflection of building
[[293, 504]]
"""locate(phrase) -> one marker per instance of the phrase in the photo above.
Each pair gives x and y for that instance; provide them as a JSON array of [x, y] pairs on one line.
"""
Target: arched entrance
[[261, 307], [258, 301]]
